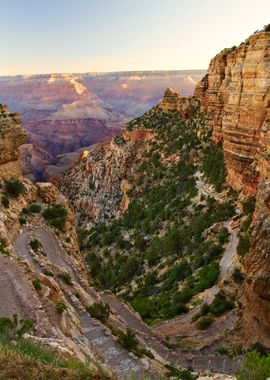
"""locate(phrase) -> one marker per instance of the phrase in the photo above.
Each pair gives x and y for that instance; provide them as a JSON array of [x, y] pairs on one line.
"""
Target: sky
[[59, 36]]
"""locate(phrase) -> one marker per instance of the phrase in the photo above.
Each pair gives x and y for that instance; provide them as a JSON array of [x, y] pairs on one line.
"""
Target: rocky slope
[[43, 276]]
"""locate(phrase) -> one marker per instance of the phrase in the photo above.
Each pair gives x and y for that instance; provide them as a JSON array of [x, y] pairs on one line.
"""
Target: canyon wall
[[236, 99], [11, 137]]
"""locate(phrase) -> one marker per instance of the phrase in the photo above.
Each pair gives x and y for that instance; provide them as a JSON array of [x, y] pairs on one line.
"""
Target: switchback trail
[[98, 335]]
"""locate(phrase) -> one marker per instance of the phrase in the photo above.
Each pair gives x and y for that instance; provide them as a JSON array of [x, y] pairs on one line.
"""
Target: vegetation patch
[[64, 276], [35, 245], [256, 367], [14, 188], [56, 216], [24, 359], [99, 311], [158, 254]]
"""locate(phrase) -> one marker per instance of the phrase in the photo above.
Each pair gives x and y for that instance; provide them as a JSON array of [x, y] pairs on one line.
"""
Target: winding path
[[114, 355], [98, 335]]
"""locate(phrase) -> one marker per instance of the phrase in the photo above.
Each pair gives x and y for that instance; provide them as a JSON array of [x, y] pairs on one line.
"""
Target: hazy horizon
[[102, 72], [122, 35]]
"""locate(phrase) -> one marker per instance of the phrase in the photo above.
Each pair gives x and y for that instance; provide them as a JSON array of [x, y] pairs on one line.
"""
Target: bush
[[220, 305], [267, 28], [60, 306], [256, 367], [204, 310], [56, 216], [64, 276], [243, 245], [5, 201], [99, 311], [35, 208], [249, 205], [238, 276], [204, 322], [14, 327], [35, 245], [14, 188], [22, 221], [179, 374], [128, 340], [36, 283]]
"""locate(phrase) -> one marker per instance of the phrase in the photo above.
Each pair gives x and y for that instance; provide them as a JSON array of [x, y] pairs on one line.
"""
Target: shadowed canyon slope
[[63, 113]]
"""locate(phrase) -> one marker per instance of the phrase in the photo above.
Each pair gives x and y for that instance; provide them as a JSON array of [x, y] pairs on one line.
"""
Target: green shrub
[[238, 276], [249, 205], [36, 283], [35, 208], [99, 311], [179, 374], [35, 245], [14, 327], [267, 28], [60, 306], [204, 310], [5, 201], [56, 216], [204, 322], [243, 245], [128, 339], [256, 367], [48, 273], [64, 276], [25, 211], [220, 305], [14, 188], [3, 250], [22, 221]]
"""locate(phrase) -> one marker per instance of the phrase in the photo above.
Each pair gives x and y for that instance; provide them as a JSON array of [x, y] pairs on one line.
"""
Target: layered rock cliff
[[11, 137], [236, 99]]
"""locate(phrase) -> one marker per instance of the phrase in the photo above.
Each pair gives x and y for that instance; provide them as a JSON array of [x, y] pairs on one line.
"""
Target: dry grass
[[17, 366]]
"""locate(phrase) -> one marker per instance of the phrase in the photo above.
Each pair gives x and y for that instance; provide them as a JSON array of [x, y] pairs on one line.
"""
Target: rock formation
[[11, 137], [236, 99], [173, 101]]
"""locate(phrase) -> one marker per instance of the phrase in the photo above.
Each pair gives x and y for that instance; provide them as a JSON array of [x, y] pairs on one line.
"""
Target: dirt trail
[[122, 362], [114, 355]]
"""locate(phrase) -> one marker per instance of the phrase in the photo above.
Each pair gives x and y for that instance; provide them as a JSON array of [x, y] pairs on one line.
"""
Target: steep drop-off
[[235, 97]]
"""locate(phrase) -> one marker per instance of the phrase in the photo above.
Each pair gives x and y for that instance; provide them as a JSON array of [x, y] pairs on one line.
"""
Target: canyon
[[165, 225], [64, 113]]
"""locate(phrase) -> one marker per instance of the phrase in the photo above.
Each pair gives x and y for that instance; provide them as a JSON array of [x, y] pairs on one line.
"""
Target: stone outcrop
[[93, 185], [173, 101], [235, 95], [11, 137], [254, 302]]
